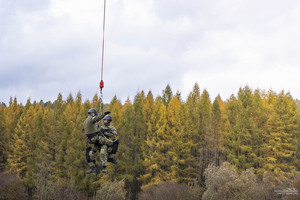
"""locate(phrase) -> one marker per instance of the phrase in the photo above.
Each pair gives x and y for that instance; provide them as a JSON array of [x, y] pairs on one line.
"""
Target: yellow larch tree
[[280, 146], [156, 163]]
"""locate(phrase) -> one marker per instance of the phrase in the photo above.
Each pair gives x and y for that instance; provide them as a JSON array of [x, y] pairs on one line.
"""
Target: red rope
[[102, 82]]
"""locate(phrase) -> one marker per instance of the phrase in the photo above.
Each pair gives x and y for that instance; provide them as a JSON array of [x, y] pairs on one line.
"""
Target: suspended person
[[108, 132], [92, 132]]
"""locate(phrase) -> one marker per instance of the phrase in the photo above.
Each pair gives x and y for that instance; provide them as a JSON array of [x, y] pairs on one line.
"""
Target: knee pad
[[87, 154], [103, 151]]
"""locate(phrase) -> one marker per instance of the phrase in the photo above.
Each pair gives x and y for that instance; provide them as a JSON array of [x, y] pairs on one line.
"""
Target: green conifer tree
[[216, 141], [233, 138], [167, 95], [192, 101], [193, 129], [297, 160], [4, 138], [43, 177], [129, 164], [204, 132]]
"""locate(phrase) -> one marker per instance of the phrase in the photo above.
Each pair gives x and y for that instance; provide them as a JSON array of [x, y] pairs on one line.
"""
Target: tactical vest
[[90, 126]]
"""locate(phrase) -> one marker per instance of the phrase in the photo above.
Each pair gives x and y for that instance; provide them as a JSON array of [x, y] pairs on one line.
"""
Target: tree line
[[162, 139]]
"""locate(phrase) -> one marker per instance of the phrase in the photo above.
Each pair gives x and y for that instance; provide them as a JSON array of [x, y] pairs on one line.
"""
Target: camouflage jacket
[[90, 125], [109, 131]]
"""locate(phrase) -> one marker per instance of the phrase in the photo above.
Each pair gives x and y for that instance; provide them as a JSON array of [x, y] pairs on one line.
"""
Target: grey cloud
[[52, 49], [24, 75]]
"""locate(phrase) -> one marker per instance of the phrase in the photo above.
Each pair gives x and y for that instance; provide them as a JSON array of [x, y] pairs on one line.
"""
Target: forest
[[244, 147]]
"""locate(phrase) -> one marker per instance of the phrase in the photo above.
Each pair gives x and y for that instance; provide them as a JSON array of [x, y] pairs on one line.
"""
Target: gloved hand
[[106, 113]]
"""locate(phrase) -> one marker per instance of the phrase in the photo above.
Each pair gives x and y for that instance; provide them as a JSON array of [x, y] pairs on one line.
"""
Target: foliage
[[112, 191], [163, 141], [11, 187], [224, 182], [168, 191]]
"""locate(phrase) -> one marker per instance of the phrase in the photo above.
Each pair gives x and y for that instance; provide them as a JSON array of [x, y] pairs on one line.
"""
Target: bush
[[65, 191], [224, 182], [59, 190], [11, 187], [168, 191], [295, 186], [112, 191]]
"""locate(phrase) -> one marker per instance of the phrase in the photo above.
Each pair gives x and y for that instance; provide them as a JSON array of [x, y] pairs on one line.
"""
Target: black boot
[[112, 160], [91, 170], [104, 169]]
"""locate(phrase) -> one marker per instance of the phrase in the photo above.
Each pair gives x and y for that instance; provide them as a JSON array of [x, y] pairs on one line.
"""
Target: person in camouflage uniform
[[108, 132], [91, 130]]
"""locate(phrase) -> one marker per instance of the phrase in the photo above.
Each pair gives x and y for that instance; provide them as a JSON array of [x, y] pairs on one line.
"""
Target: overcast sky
[[49, 47]]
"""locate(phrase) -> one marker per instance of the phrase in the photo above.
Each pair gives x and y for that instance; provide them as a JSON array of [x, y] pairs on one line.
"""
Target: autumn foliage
[[166, 143]]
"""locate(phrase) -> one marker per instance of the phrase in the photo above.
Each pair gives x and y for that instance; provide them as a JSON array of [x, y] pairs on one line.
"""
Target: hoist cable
[[103, 41], [102, 63]]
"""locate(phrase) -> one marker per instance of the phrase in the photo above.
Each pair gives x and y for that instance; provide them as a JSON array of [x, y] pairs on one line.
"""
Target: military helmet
[[108, 118], [92, 110]]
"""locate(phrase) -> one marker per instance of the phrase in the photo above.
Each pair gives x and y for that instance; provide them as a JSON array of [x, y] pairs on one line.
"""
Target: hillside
[[162, 140]]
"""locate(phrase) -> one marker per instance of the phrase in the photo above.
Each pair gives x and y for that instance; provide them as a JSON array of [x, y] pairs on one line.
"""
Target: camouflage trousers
[[104, 146]]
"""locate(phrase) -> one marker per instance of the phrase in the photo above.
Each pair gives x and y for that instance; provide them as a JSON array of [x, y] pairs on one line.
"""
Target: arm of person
[[99, 117]]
